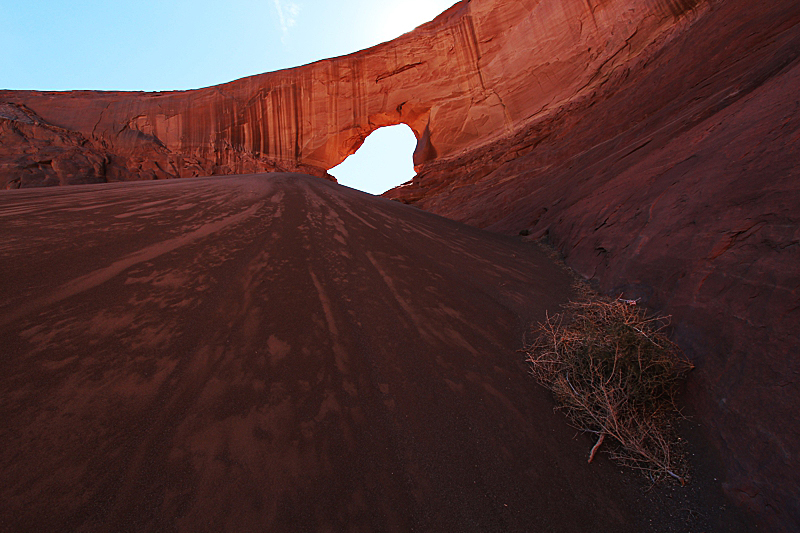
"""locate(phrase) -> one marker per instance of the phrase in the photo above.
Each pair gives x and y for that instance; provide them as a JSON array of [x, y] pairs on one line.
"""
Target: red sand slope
[[280, 353]]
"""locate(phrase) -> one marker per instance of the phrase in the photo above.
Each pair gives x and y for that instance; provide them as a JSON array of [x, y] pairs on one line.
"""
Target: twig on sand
[[596, 446]]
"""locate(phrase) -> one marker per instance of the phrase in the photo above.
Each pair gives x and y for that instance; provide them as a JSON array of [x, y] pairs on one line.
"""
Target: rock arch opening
[[383, 161]]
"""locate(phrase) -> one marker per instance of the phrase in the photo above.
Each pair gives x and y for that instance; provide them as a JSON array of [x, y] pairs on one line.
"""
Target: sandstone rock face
[[35, 153], [676, 181], [654, 141], [479, 71]]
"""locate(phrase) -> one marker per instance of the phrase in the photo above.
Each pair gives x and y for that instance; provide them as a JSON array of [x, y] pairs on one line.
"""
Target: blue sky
[[179, 44]]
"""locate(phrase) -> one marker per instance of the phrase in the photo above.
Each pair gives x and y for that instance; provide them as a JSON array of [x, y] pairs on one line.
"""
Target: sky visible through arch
[[57, 45], [388, 151]]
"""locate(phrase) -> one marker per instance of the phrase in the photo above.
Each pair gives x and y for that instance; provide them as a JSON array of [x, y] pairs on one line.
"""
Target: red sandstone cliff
[[479, 71], [654, 142]]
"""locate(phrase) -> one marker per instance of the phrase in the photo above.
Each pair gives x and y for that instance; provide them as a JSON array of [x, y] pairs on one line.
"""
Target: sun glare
[[402, 17]]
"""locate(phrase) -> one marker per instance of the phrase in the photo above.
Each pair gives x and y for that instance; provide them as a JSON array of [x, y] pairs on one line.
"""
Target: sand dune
[[281, 353]]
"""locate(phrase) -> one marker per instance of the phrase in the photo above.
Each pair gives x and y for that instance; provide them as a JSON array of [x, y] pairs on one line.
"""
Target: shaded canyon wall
[[677, 182]]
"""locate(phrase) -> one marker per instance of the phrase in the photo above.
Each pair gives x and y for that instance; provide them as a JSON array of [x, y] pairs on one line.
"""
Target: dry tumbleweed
[[615, 374]]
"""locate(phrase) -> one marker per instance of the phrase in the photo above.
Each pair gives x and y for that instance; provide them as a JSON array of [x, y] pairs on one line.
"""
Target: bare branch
[[614, 372]]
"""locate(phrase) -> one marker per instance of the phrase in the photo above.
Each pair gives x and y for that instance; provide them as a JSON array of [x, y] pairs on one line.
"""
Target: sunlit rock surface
[[480, 70]]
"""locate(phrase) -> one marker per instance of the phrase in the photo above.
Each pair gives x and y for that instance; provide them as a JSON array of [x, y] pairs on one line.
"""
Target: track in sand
[[281, 353]]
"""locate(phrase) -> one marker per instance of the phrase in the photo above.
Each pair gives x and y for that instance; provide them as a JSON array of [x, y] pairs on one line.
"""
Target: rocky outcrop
[[479, 71], [36, 153]]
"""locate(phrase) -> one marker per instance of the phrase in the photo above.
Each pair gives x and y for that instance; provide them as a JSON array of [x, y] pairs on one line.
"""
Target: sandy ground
[[280, 353]]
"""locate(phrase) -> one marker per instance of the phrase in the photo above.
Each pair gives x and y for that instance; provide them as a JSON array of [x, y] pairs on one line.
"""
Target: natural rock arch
[[479, 71], [417, 118]]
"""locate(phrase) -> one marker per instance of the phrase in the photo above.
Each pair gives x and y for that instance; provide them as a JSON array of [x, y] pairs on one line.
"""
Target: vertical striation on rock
[[479, 71]]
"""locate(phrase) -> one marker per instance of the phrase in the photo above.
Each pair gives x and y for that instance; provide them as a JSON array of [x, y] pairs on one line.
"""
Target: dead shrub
[[615, 374]]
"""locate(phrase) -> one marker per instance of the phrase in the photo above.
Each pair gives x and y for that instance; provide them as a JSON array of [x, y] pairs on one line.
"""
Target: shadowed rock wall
[[677, 181]]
